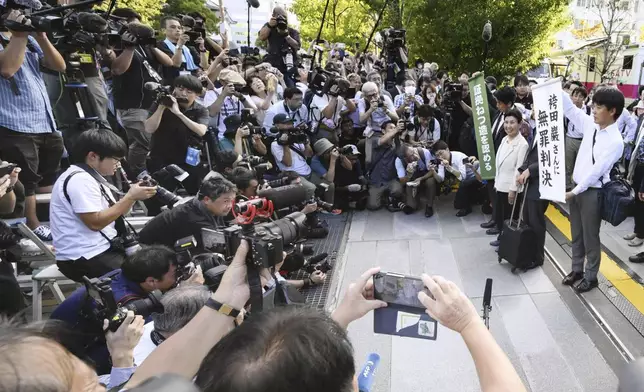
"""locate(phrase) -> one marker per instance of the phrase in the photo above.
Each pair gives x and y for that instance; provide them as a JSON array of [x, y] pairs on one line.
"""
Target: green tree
[[347, 21], [176, 7], [148, 9], [449, 33]]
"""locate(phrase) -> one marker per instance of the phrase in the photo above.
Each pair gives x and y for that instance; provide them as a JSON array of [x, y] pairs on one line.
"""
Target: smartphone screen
[[398, 289]]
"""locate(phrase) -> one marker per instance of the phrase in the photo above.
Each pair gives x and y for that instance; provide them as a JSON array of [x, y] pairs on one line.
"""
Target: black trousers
[[638, 206], [501, 208], [491, 192], [95, 267], [534, 215], [468, 193], [12, 303]]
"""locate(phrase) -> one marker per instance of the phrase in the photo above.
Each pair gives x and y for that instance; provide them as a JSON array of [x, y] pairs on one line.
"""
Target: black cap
[[232, 123], [282, 118]]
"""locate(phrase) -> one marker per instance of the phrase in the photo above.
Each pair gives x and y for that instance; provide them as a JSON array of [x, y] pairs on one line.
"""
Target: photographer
[[374, 108], [151, 268], [134, 67], [207, 210], [245, 143], [83, 206], [460, 168], [7, 194], [459, 106], [27, 125], [177, 124], [230, 101], [426, 128], [350, 184], [292, 156], [292, 106], [407, 101], [283, 44], [325, 164], [381, 170], [416, 168], [212, 47], [184, 59], [327, 109]]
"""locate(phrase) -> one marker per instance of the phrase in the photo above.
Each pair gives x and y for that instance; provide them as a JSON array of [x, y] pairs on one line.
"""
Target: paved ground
[[530, 319]]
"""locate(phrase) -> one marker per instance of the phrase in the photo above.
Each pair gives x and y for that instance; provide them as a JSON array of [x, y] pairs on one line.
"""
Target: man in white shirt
[[427, 129], [417, 172], [574, 135], [455, 163], [292, 157], [602, 145], [292, 106], [83, 210], [375, 109], [180, 305]]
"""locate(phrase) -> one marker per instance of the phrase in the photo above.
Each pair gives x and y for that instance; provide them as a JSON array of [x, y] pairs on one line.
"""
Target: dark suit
[[497, 138], [535, 208], [394, 91]]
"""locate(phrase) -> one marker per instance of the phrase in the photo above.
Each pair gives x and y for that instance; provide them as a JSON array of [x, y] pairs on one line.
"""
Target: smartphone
[[398, 289], [233, 52], [7, 169]]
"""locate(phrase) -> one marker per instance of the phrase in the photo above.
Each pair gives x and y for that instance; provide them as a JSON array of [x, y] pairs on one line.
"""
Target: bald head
[[279, 11]]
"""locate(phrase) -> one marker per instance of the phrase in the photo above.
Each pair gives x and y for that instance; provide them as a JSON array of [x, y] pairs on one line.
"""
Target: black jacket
[[532, 163], [182, 221]]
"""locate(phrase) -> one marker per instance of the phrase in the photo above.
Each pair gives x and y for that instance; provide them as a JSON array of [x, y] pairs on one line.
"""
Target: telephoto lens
[[141, 307]]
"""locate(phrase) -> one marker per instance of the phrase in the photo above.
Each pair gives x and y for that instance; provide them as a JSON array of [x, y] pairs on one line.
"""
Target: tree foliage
[[449, 33], [347, 21], [176, 7], [148, 9]]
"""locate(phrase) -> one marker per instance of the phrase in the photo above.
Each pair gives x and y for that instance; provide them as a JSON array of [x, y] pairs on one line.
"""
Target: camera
[[452, 95], [295, 136], [128, 242], [100, 290], [278, 182], [321, 204], [185, 266], [162, 94], [163, 195], [341, 90], [281, 22], [249, 120]]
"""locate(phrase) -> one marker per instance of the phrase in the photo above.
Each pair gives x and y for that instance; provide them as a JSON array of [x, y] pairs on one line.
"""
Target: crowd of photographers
[[236, 160]]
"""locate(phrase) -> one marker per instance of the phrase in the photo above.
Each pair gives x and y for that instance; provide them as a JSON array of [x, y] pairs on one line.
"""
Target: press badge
[[192, 156], [85, 58]]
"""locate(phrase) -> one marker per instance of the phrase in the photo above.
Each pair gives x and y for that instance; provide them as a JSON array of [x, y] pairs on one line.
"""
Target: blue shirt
[[30, 110]]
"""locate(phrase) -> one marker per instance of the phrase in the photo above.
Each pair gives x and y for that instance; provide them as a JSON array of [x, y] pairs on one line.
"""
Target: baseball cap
[[354, 149], [282, 118]]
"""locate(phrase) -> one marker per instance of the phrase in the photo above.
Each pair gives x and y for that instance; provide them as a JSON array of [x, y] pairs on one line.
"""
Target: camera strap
[[143, 58], [298, 152]]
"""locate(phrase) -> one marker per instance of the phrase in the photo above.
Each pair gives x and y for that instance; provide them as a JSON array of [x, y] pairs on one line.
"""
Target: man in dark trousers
[[504, 102], [534, 212]]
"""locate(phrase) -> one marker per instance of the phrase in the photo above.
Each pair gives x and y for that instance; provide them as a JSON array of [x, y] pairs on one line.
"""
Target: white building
[[237, 18]]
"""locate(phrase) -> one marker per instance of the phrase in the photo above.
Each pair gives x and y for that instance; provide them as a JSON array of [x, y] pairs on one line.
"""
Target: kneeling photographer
[[418, 171], [327, 162], [142, 279], [245, 134], [208, 210], [177, 125], [83, 206], [424, 130]]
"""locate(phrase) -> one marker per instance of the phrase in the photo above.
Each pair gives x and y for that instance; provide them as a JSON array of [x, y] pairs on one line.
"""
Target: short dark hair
[[514, 112], [506, 94], [440, 74], [580, 91], [127, 13], [190, 82], [425, 111], [611, 98], [290, 92], [167, 18], [278, 343], [242, 177], [423, 79], [383, 126], [149, 261], [103, 142], [197, 15], [225, 160], [439, 145], [214, 187], [521, 79]]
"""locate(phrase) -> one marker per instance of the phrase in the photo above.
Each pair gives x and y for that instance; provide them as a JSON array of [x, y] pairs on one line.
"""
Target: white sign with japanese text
[[548, 112]]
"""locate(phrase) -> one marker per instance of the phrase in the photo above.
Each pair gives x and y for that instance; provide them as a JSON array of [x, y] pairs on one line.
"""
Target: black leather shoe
[[572, 277], [488, 225], [464, 212], [493, 231], [429, 212], [638, 258], [586, 285], [495, 243]]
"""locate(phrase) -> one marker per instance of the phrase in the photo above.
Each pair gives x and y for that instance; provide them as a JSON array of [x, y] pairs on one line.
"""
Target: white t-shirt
[[401, 167], [208, 99], [72, 238], [424, 135], [318, 104], [379, 116], [457, 163], [299, 116], [145, 346], [298, 163]]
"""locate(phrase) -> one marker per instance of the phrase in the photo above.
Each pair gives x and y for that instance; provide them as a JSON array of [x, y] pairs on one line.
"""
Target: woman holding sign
[[509, 158]]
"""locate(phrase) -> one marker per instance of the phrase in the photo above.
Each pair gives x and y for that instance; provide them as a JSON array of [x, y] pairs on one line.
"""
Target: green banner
[[483, 127]]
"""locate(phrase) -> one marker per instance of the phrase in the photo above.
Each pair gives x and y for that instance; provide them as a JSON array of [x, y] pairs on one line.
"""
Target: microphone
[[366, 376], [91, 22], [151, 86], [487, 31], [284, 196], [487, 294], [140, 30], [253, 3], [33, 4]]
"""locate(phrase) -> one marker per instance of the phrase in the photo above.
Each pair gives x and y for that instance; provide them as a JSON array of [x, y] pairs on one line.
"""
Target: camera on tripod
[[100, 290]]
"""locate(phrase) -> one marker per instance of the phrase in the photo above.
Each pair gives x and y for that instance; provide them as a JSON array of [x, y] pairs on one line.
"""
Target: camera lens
[[146, 306]]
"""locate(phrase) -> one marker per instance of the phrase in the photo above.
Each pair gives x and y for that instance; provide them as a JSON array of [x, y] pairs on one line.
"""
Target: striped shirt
[[29, 111]]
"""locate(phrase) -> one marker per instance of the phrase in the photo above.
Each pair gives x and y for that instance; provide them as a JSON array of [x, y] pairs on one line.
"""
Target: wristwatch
[[222, 308]]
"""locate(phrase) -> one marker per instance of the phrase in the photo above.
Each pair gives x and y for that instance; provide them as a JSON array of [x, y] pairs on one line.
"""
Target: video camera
[[162, 94], [393, 39], [452, 95], [296, 135], [249, 120], [100, 290]]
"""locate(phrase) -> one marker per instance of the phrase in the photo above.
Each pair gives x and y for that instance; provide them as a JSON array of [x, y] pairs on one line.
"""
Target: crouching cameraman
[[327, 162], [84, 207], [151, 268], [418, 170], [177, 125]]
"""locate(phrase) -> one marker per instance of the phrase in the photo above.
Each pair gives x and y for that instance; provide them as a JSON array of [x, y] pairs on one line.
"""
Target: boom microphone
[[284, 196], [487, 31], [253, 3], [487, 294], [91, 22], [366, 376], [33, 4], [140, 31]]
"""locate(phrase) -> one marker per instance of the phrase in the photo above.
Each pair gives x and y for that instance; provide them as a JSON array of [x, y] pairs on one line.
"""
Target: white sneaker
[[636, 242], [629, 237]]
